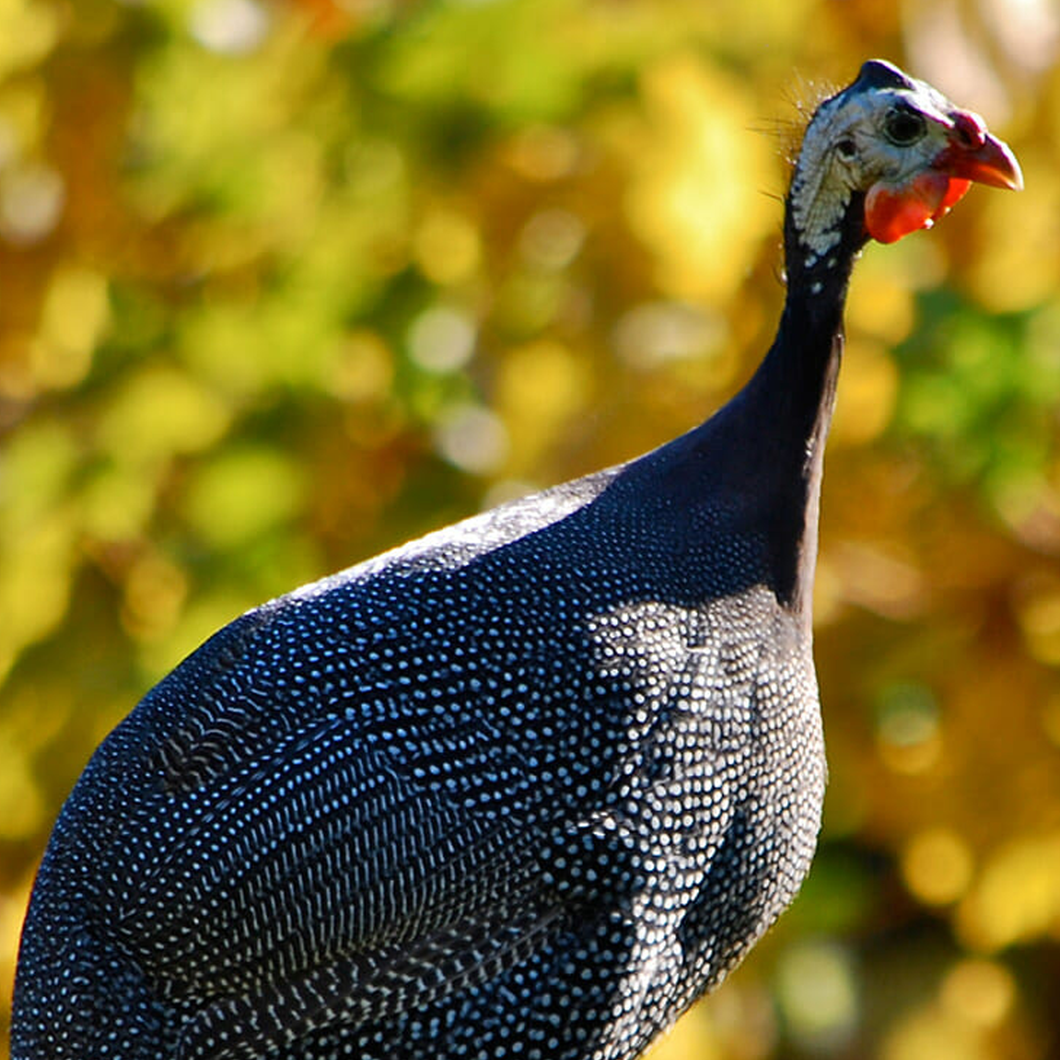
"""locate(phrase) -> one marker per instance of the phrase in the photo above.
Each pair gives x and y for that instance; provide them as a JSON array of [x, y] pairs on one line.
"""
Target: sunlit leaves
[[980, 394], [36, 536], [937, 866], [817, 993], [447, 57], [27, 32], [697, 193], [1017, 896], [541, 388], [241, 494], [158, 412]]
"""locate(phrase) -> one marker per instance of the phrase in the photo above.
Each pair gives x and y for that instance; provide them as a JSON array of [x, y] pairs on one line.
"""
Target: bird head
[[897, 151]]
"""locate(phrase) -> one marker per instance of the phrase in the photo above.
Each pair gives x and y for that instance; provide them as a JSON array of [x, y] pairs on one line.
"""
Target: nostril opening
[[970, 129]]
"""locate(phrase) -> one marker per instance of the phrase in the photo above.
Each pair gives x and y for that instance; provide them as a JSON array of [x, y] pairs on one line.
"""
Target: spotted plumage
[[526, 787]]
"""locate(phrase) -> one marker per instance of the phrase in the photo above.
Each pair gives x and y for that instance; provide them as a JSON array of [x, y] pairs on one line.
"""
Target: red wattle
[[895, 210], [954, 193]]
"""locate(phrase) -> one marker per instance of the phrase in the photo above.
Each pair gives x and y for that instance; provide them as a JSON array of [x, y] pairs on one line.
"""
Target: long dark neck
[[797, 377], [759, 458], [791, 397]]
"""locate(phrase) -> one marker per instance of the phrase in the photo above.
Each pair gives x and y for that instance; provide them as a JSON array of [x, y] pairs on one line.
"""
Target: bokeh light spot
[[447, 247], [980, 992], [442, 339], [1016, 897], [231, 27], [31, 202], [243, 493], [907, 727], [817, 994], [472, 438], [937, 866]]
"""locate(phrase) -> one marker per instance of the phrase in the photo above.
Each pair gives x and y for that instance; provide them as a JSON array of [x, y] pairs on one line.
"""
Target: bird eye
[[846, 148], [904, 126]]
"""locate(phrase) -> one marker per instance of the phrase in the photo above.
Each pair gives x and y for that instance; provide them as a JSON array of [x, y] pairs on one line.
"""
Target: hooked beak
[[973, 154], [893, 210]]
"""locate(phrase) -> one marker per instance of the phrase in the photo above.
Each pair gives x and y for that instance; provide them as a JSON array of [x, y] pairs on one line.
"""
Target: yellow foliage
[[34, 585], [447, 247], [1018, 266], [980, 992], [241, 494], [937, 866], [1016, 897], [363, 368], [155, 592], [867, 393], [881, 303], [699, 178], [73, 318], [541, 387], [933, 1033], [28, 31], [158, 413]]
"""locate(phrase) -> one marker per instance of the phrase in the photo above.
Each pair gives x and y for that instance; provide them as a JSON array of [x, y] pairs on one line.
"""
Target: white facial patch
[[819, 192], [819, 205], [824, 180]]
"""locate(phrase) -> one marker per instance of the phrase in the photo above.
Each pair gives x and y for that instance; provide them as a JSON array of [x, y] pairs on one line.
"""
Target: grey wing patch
[[362, 989], [199, 751], [210, 736], [321, 849]]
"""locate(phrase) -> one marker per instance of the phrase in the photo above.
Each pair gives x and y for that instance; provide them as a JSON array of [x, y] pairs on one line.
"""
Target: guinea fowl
[[527, 786]]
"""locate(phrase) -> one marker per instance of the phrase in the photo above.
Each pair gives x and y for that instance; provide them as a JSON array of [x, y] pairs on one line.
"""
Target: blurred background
[[285, 283]]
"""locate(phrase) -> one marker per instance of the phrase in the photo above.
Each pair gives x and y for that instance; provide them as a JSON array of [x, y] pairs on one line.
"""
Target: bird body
[[525, 787]]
